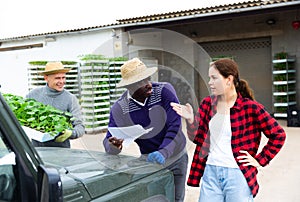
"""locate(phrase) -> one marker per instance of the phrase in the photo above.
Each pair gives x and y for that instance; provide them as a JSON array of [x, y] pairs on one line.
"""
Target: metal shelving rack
[[114, 78], [95, 94], [284, 86]]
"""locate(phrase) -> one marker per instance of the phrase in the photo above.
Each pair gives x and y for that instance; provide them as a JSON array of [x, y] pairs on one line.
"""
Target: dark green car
[[60, 174]]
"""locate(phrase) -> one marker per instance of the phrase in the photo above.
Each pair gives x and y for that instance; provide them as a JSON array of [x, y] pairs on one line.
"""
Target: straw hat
[[134, 71], [54, 68]]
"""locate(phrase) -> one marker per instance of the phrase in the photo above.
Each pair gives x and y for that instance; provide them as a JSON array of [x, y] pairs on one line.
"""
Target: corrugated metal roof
[[185, 14], [214, 10]]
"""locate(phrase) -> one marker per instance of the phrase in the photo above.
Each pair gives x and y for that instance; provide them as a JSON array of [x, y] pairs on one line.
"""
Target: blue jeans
[[222, 184]]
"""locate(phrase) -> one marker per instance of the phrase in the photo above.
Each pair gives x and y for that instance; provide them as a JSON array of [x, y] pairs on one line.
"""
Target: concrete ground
[[279, 181]]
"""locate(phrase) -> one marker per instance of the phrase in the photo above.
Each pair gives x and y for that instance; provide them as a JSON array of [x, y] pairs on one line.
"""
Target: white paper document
[[37, 135], [129, 134]]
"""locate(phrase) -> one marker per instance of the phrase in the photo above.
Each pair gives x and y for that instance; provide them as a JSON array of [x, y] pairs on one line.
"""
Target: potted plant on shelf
[[280, 55]]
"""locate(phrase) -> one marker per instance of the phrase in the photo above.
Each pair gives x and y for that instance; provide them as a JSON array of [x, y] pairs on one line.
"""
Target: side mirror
[[49, 185]]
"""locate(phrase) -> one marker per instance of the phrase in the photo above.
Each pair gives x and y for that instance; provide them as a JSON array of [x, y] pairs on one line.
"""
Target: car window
[[7, 176]]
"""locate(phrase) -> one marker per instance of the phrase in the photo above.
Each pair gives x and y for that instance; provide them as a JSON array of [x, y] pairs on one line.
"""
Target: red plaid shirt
[[248, 119]]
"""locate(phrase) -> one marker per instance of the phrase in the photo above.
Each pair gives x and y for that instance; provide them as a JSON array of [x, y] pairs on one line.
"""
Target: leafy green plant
[[38, 116], [100, 57], [221, 57], [118, 59], [280, 55], [43, 63], [92, 57], [281, 110], [279, 66]]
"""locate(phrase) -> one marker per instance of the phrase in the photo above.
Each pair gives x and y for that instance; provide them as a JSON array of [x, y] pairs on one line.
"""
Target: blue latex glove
[[156, 157]]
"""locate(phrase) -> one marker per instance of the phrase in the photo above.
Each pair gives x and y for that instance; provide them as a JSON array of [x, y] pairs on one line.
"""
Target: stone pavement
[[279, 181]]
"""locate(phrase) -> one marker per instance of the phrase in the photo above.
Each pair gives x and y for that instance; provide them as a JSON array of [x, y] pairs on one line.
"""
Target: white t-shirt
[[220, 152]]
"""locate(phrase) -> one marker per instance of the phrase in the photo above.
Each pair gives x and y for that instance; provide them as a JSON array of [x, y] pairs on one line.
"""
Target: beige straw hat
[[134, 71], [54, 68]]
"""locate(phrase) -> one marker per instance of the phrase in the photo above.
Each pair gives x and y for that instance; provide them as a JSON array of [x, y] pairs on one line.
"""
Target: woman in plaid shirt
[[227, 133]]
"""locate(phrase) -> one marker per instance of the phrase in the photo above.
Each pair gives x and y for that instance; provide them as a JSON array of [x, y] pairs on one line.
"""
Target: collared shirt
[[130, 97], [249, 119]]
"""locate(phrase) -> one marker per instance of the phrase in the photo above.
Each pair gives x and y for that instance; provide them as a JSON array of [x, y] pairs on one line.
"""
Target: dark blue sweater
[[166, 135]]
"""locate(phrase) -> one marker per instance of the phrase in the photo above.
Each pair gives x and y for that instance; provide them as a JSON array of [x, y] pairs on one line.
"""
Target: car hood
[[94, 173]]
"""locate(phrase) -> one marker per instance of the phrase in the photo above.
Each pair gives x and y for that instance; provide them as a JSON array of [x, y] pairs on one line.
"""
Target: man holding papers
[[143, 114]]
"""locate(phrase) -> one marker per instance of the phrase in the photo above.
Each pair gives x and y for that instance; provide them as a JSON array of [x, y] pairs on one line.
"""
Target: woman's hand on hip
[[247, 160]]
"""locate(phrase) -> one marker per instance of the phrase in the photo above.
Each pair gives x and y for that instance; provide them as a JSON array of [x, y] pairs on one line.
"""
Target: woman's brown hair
[[228, 67]]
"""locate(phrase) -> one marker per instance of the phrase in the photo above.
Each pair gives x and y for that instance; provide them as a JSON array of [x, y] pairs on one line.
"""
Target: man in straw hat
[[148, 104], [54, 94]]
